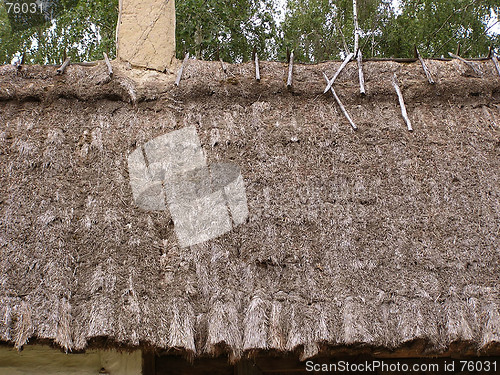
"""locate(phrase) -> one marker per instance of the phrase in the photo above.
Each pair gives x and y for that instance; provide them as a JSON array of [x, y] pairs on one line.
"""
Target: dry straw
[[378, 237]]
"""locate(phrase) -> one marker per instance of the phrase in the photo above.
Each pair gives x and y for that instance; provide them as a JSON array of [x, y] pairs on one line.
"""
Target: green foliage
[[82, 31], [212, 29], [319, 30], [316, 30], [311, 28], [438, 26]]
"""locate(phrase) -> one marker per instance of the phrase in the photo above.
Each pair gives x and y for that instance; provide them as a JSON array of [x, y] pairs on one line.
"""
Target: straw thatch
[[378, 237]]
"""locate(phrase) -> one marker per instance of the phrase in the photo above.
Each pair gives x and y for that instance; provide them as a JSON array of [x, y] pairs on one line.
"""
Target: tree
[[323, 29], [81, 30], [211, 29], [319, 30], [438, 26], [316, 30]]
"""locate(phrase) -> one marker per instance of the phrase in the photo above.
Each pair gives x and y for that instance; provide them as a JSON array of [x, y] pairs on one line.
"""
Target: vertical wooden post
[[356, 27], [224, 69], [108, 65], [20, 63], [290, 71], [257, 70], [179, 75], [361, 75]]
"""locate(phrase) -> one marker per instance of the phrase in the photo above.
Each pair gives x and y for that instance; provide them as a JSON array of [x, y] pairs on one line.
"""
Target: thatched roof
[[378, 237]]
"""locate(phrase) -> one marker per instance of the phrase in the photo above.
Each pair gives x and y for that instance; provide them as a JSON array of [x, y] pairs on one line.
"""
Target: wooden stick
[[290, 71], [108, 64], [344, 63], [179, 75], [85, 63], [471, 65], [426, 71], [63, 67], [401, 102], [356, 27], [257, 70], [224, 69], [342, 108], [19, 64], [495, 61], [361, 75]]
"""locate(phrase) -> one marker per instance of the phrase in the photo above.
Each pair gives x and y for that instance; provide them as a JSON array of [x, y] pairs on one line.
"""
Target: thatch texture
[[376, 237]]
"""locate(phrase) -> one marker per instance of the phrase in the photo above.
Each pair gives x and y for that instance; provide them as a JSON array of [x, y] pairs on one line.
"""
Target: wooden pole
[[224, 69], [361, 75], [356, 27], [344, 63], [426, 71], [290, 71], [63, 67], [108, 64], [401, 102], [495, 61], [179, 75], [257, 70], [19, 64], [342, 108], [468, 63]]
